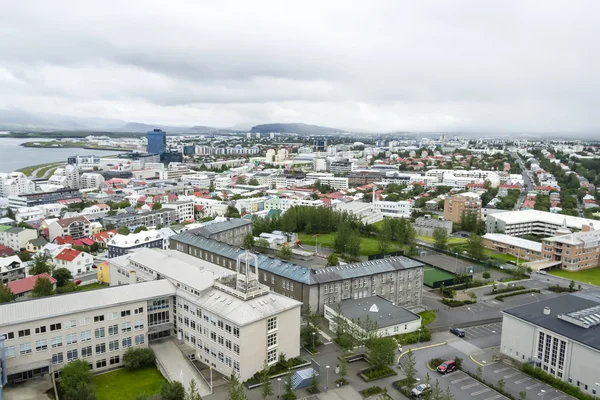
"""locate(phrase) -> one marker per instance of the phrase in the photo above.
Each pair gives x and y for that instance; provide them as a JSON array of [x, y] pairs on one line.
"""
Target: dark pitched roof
[[379, 310], [68, 221], [534, 314], [218, 227]]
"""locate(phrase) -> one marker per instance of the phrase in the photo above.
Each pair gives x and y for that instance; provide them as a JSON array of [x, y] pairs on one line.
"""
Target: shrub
[[373, 373], [507, 290], [457, 303], [372, 391], [486, 275], [539, 374], [503, 296], [136, 358], [560, 289], [434, 362], [413, 337]]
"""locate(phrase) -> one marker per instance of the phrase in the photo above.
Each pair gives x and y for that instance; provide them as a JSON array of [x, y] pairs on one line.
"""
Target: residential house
[[77, 227], [11, 269], [23, 288], [17, 238], [34, 245], [78, 262]]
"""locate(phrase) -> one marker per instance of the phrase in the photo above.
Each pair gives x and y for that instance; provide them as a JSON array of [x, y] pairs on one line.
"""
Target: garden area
[[127, 385], [591, 275]]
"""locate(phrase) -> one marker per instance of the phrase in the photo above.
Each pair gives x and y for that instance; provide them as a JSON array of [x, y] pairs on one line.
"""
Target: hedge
[[372, 374], [457, 303], [507, 290], [413, 337], [503, 296], [556, 383], [561, 289], [372, 391]]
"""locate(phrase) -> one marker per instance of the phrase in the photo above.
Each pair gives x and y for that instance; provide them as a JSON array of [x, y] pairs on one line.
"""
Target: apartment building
[[91, 180], [226, 319], [164, 216], [329, 179], [426, 225], [393, 209], [197, 180], [574, 251], [522, 249], [119, 245], [98, 326], [398, 279], [14, 184], [363, 177], [461, 204], [76, 227], [533, 222], [184, 210], [16, 238], [560, 335], [340, 167], [38, 198]]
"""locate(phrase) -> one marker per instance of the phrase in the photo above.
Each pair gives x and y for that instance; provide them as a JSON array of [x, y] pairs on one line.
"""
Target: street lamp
[[279, 387], [327, 368], [469, 308], [419, 337], [533, 294], [542, 392], [313, 335]]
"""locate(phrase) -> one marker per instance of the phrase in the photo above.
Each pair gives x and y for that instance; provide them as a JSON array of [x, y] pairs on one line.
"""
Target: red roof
[[510, 186], [6, 251], [478, 185], [68, 255], [547, 188], [67, 239], [199, 207], [172, 196], [104, 236], [84, 242], [27, 284]]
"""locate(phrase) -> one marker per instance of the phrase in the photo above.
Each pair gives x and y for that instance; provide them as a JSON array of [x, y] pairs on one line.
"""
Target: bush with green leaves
[[136, 358]]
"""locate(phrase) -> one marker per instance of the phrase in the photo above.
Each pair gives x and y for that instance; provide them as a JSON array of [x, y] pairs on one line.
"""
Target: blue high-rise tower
[[157, 142]]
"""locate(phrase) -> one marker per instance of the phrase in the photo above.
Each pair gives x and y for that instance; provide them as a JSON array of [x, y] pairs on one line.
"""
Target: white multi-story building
[[185, 210], [17, 238], [394, 209], [91, 180], [197, 180], [329, 179], [528, 222], [453, 175], [67, 176], [14, 184], [28, 214], [211, 206]]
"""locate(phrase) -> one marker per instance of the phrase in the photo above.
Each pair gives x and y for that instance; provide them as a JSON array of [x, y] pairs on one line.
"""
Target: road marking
[[511, 375], [494, 397], [480, 392], [533, 386], [501, 370], [459, 380], [522, 380], [556, 398], [469, 386]]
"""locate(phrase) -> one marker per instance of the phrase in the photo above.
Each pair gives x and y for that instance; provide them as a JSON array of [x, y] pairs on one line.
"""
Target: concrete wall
[[518, 339]]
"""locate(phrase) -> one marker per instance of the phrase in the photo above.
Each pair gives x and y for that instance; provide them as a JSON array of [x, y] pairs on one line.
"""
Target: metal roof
[[378, 309], [560, 307], [211, 229], [71, 303], [300, 273]]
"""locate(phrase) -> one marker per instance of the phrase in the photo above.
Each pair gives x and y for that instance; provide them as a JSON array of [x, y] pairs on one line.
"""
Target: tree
[[76, 379], [384, 237], [232, 212], [236, 389], [522, 395], [6, 294], [475, 247], [285, 252], [156, 206], [68, 287], [262, 245], [42, 288], [501, 384], [486, 275], [193, 393], [123, 230], [381, 351], [24, 255], [427, 394], [62, 276], [241, 180], [266, 389], [332, 260], [289, 391], [41, 264], [343, 368], [410, 369], [10, 214], [253, 182], [249, 241], [572, 286], [314, 382], [140, 229], [448, 395], [458, 361], [310, 331], [172, 391], [136, 358], [436, 391], [440, 237]]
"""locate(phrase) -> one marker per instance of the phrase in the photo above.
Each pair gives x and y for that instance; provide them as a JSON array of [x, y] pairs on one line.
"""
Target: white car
[[420, 390]]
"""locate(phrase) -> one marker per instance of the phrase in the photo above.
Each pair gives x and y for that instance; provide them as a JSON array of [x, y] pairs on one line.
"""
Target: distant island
[[299, 128]]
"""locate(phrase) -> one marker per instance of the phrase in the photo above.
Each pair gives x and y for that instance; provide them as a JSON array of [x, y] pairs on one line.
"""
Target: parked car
[[78, 282], [446, 367], [420, 390], [458, 332]]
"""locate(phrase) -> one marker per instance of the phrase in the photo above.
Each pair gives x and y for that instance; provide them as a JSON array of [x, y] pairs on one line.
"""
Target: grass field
[[91, 286], [368, 246], [431, 275], [28, 170], [127, 385], [591, 275], [451, 240], [40, 173], [427, 317]]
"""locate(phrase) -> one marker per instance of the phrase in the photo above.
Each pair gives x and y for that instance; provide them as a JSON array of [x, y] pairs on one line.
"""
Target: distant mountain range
[[298, 128]]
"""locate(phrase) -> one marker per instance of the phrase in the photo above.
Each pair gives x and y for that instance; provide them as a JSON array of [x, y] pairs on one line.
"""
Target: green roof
[[4, 228]]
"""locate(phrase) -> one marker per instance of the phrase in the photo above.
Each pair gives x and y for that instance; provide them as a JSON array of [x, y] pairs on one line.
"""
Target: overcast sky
[[445, 65]]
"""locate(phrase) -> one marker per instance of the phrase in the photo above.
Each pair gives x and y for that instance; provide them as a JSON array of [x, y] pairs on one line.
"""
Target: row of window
[[100, 348]]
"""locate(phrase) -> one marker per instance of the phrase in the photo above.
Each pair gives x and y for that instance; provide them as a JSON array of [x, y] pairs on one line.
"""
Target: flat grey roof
[[218, 227], [534, 314], [378, 309]]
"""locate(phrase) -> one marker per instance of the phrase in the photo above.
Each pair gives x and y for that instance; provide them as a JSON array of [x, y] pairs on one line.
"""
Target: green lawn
[[451, 240], [127, 385], [91, 286], [591, 275], [368, 246], [427, 317]]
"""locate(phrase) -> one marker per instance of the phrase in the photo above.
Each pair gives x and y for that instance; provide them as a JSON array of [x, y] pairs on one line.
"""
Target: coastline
[[76, 145]]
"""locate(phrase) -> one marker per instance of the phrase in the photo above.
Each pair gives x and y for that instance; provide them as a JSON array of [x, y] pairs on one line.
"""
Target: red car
[[78, 282], [446, 367]]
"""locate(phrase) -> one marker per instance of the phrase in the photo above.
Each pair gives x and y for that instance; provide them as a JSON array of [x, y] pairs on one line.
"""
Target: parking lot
[[463, 386], [477, 332]]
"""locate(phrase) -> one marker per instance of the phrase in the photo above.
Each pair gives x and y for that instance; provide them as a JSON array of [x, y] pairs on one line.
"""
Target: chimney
[[586, 228], [546, 310]]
